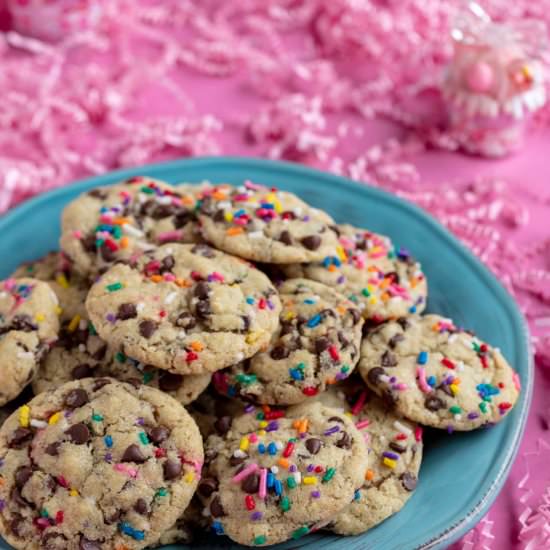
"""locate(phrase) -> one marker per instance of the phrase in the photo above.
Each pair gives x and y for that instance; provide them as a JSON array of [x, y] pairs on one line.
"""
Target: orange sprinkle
[[219, 195], [303, 426], [369, 475], [121, 221], [341, 310], [283, 462], [412, 282], [266, 408], [157, 278], [1, 481], [385, 297], [384, 283], [183, 283], [188, 200], [124, 242], [331, 381], [296, 424], [371, 268], [232, 231], [196, 346], [332, 267]]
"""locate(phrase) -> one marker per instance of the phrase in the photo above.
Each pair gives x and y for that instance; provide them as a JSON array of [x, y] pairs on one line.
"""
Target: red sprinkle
[[500, 385], [483, 347], [483, 360], [63, 482], [273, 415], [318, 469], [262, 303], [111, 244], [289, 449], [59, 517], [359, 403], [196, 276], [448, 363], [310, 391], [401, 437], [418, 433], [42, 523], [191, 356], [152, 267], [505, 406], [160, 453], [162, 313], [334, 353], [249, 501]]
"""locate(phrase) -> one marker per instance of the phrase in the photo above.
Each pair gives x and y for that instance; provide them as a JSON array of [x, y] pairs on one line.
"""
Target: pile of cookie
[[222, 358]]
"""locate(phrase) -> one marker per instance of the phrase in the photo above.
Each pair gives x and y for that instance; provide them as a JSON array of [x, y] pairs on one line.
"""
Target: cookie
[[437, 374], [185, 308], [96, 464], [316, 345], [384, 281], [120, 222], [395, 453], [267, 481], [28, 325], [186, 527], [265, 225]]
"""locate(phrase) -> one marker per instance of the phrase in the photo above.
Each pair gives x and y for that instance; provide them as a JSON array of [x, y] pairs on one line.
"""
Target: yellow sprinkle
[[371, 288], [73, 325], [39, 317], [189, 477], [54, 418], [228, 217], [59, 310], [283, 462], [251, 337], [349, 413], [62, 280], [73, 493], [290, 315], [341, 253], [264, 423], [389, 462], [244, 444], [309, 480], [261, 433], [24, 416], [373, 300], [454, 388]]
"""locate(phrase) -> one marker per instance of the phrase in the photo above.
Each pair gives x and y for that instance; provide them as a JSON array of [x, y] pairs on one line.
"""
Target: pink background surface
[[499, 208]]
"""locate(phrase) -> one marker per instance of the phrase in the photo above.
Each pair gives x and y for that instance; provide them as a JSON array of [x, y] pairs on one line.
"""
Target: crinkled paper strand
[[69, 109]]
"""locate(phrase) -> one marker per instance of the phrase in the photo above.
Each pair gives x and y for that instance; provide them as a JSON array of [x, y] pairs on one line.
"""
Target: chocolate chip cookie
[[96, 464], [189, 309], [438, 374]]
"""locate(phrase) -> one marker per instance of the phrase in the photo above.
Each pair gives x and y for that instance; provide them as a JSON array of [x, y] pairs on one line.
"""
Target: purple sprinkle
[[473, 416], [393, 380], [310, 468], [270, 304], [332, 430], [450, 429], [108, 457], [393, 456], [303, 435], [316, 494], [305, 218], [340, 376], [255, 516], [341, 280], [293, 468], [249, 408], [2, 504], [67, 414], [210, 278], [273, 426], [111, 318], [140, 421], [449, 380]]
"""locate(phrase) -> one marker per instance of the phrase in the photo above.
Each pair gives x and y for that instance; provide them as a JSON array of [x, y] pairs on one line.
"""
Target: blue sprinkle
[[268, 206], [412, 309], [217, 527], [103, 209], [296, 374], [249, 300], [336, 261], [432, 380], [314, 321], [127, 529], [422, 358], [272, 449], [278, 487], [232, 391], [327, 260], [239, 213], [261, 448], [108, 441], [309, 301], [270, 480], [357, 495]]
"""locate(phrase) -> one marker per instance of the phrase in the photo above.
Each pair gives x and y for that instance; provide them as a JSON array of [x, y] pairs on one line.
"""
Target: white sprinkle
[[170, 298], [458, 417], [256, 234], [239, 357], [25, 355], [402, 428], [182, 334], [164, 200], [460, 366], [451, 338], [466, 343], [131, 230], [274, 470], [140, 307], [385, 378], [224, 204], [298, 211], [298, 478], [279, 445], [38, 423], [206, 512], [366, 436], [144, 245], [169, 250], [239, 454]]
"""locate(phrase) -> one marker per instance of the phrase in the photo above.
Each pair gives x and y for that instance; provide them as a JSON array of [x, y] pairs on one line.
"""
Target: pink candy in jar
[[495, 82], [52, 20]]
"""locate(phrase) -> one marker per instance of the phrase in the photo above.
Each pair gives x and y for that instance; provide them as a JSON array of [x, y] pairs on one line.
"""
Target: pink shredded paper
[[349, 86]]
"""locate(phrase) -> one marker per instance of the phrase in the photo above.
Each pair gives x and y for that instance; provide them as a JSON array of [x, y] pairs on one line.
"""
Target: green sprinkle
[[391, 254], [246, 379], [99, 243], [300, 532], [285, 504], [365, 292], [147, 377], [162, 492], [114, 287], [477, 349], [117, 232], [483, 407], [260, 416], [44, 513], [91, 329], [455, 409], [120, 357], [147, 190], [329, 474], [345, 369], [291, 482], [487, 398], [143, 438], [300, 366], [260, 539], [97, 417], [353, 298]]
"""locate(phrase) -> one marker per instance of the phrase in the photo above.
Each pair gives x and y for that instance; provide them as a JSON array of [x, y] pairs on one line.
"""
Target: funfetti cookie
[[437, 374], [265, 224], [122, 221], [383, 280], [316, 345], [269, 481], [29, 324], [96, 464], [395, 454], [185, 308]]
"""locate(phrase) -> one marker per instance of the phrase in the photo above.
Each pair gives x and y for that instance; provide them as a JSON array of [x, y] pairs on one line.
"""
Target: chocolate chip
[[219, 216], [203, 250], [159, 434], [311, 242], [16, 496], [223, 424], [126, 311], [87, 544], [216, 508], [17, 525], [76, 398], [203, 308], [335, 419], [409, 481], [345, 441], [100, 383], [236, 460], [285, 238], [53, 448], [147, 328], [446, 389], [201, 290], [115, 516], [81, 371], [397, 447], [19, 438], [395, 339], [170, 382], [168, 263], [388, 359], [141, 506], [89, 243], [107, 254], [53, 541], [403, 323], [185, 320], [251, 484], [99, 354], [280, 352], [313, 445], [321, 344], [355, 314], [133, 454], [207, 206], [375, 374], [79, 433], [22, 475], [246, 322], [136, 382], [24, 323], [172, 469], [181, 218], [97, 194], [207, 486], [433, 403]]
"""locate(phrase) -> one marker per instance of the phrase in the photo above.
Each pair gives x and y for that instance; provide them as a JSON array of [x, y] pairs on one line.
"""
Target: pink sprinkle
[[132, 472], [254, 186], [252, 438], [168, 236], [377, 254], [63, 482], [77, 234], [418, 433], [422, 384], [217, 276], [362, 424], [359, 403], [401, 386], [245, 473], [517, 381], [263, 483], [243, 220], [170, 277], [106, 218]]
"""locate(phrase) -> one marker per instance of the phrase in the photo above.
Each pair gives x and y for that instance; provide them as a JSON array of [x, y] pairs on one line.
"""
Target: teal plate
[[461, 473]]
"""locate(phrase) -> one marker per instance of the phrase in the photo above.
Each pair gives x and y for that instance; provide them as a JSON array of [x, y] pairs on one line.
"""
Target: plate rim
[[475, 514]]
